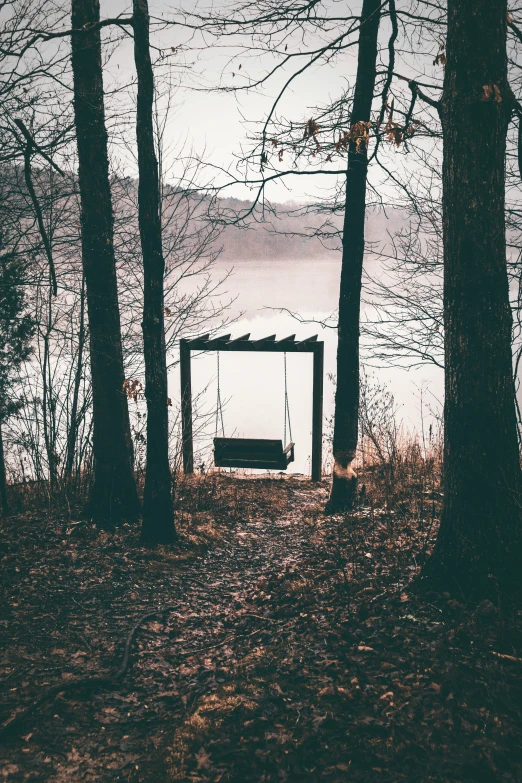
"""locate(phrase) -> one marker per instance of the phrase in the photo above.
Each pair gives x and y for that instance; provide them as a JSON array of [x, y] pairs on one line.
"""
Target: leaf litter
[[294, 651]]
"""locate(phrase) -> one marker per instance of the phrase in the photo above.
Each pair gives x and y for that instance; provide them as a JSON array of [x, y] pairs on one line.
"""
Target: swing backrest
[[252, 453]]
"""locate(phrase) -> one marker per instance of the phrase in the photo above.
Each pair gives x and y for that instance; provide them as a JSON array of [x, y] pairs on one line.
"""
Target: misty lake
[[252, 385]]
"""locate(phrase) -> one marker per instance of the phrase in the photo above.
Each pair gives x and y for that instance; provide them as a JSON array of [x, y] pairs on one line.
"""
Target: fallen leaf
[[202, 758]]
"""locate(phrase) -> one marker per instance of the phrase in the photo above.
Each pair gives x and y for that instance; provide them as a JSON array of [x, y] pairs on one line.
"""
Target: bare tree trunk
[[158, 517], [479, 544], [47, 400], [346, 421], [113, 494], [3, 479], [73, 425]]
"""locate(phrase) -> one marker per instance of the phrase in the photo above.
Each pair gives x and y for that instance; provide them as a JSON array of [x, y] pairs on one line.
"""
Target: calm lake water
[[252, 385]]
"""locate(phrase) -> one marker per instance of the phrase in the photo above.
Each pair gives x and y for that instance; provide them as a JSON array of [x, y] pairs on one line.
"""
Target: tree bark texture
[[113, 494], [346, 420], [158, 516], [479, 542]]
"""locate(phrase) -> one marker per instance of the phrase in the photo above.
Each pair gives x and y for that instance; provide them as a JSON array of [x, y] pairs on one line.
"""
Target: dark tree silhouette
[[16, 331], [479, 543], [346, 420], [158, 518], [113, 494]]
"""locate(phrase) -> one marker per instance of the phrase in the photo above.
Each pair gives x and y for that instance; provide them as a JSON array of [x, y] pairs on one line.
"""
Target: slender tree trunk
[[73, 425], [346, 420], [158, 516], [47, 400], [3, 479], [113, 494], [479, 544]]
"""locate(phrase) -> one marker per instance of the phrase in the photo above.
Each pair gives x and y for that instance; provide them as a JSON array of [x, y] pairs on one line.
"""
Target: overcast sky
[[219, 123]]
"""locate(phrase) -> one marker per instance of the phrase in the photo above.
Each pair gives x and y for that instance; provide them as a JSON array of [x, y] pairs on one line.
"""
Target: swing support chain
[[287, 409], [219, 405]]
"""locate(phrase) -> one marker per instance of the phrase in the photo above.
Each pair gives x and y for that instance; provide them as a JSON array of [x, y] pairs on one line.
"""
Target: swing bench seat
[[252, 453]]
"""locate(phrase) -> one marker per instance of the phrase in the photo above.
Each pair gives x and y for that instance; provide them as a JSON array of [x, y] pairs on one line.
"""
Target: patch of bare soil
[[291, 650]]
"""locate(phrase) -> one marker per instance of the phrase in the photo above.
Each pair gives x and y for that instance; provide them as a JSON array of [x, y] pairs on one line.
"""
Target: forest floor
[[290, 648]]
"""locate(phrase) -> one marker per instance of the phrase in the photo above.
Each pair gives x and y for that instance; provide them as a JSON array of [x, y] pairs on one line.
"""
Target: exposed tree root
[[109, 680]]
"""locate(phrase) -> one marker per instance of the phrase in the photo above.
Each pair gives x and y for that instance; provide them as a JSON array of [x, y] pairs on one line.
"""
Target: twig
[[506, 657], [19, 672], [259, 617], [391, 61], [73, 599], [34, 146], [221, 644], [38, 212], [84, 640], [414, 87]]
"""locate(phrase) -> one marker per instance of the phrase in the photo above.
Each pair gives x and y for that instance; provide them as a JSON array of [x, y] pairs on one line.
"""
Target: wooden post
[[317, 412], [186, 407]]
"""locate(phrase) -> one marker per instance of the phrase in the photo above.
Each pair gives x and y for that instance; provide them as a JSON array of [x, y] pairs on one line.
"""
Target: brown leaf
[[202, 758], [491, 92]]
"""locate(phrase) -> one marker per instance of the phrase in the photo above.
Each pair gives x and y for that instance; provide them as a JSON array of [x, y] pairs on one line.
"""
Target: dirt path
[[73, 592], [294, 652]]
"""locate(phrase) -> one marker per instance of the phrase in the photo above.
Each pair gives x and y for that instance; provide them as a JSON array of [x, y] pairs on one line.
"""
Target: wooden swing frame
[[267, 344]]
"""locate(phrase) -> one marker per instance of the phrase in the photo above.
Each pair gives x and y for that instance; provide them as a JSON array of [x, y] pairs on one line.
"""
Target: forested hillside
[[296, 232]]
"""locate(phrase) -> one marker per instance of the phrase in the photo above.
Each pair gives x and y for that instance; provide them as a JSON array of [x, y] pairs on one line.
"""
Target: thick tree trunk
[[3, 479], [158, 517], [346, 420], [479, 543], [113, 494]]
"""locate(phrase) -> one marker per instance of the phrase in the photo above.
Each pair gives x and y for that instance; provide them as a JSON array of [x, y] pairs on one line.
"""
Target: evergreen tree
[[16, 330]]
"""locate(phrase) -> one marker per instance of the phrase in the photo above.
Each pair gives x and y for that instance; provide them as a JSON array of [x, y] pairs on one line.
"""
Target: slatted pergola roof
[[225, 342], [271, 344]]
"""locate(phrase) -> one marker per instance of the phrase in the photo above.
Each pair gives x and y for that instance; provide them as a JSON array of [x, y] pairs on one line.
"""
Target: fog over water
[[252, 385]]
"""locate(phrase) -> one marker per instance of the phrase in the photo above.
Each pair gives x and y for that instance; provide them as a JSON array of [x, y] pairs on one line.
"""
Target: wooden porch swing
[[257, 453]]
